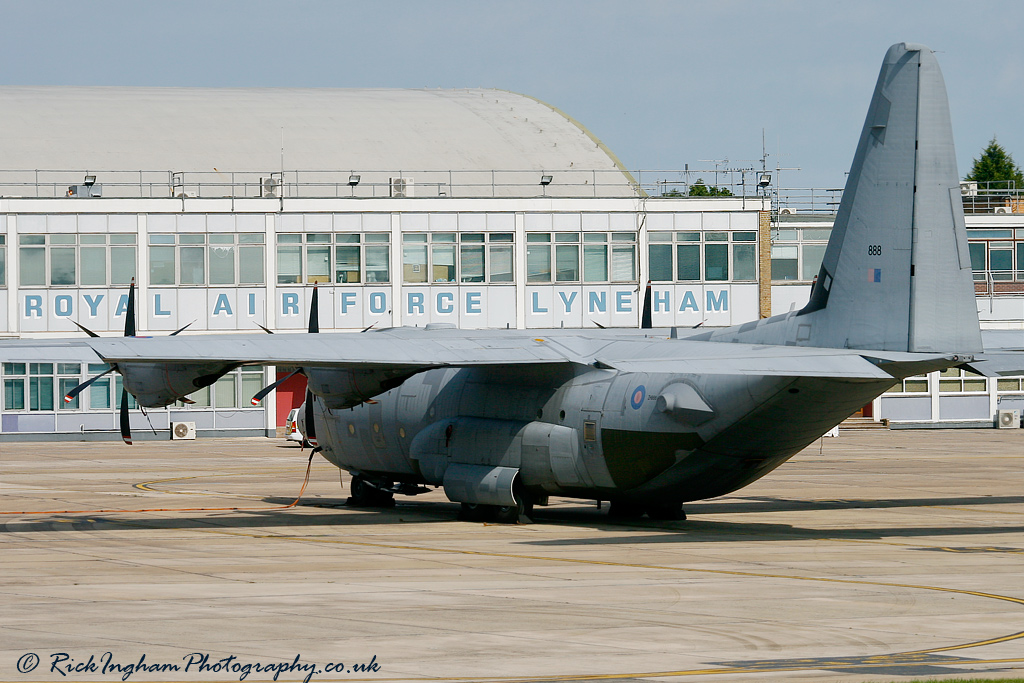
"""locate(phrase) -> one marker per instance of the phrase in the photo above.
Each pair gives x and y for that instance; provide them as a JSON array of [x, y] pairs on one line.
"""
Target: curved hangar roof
[[324, 129]]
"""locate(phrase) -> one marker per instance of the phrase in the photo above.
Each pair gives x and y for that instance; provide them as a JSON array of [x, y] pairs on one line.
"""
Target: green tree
[[995, 170], [699, 189]]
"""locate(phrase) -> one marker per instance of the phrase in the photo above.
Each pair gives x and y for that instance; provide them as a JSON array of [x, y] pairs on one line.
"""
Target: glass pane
[[122, 265], [289, 239], [377, 237], [250, 238], [444, 237], [94, 265], [949, 385], [813, 254], [501, 264], [975, 385], [442, 264], [69, 368], [228, 238], [14, 394], [567, 262], [623, 237], [784, 263], [40, 368], [816, 233], [472, 237], [501, 237], [977, 250], [63, 239], [191, 238], [31, 239], [377, 259], [222, 264], [538, 263], [538, 237], [62, 265], [659, 237], [716, 236], [122, 239], [660, 262], [567, 237], [14, 368], [3, 266], [1008, 384], [414, 237], [318, 263], [92, 239], [1000, 259], [193, 265], [99, 393], [224, 392], [472, 263], [744, 236], [915, 385], [40, 393], [414, 262], [250, 265], [346, 263], [688, 262], [623, 263], [202, 397], [251, 385], [161, 265], [347, 238], [132, 404], [1020, 262], [289, 265], [32, 266], [743, 262], [318, 237], [595, 263], [66, 385], [688, 236]]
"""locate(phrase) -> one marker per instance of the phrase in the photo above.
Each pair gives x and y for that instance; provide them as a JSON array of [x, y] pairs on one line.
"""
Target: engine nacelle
[[344, 388], [155, 385]]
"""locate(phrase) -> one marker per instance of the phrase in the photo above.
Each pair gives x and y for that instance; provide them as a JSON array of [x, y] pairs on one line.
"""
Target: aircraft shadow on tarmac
[[698, 528]]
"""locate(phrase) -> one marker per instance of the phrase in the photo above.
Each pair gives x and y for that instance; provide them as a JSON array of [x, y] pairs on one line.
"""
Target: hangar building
[[480, 208]]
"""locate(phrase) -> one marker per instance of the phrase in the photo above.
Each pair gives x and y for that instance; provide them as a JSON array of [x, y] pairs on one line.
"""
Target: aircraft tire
[[365, 495], [669, 512], [619, 509]]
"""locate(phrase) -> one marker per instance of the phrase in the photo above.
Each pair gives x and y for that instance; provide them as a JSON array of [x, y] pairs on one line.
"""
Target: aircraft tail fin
[[896, 274]]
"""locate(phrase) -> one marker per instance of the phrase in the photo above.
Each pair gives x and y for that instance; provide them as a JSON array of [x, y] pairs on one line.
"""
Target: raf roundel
[[637, 399]]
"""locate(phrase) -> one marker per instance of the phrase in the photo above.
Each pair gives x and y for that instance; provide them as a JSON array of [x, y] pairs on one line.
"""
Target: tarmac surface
[[885, 556]]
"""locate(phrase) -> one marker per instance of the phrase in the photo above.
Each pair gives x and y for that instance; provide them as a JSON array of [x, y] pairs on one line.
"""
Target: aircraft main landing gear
[[366, 495]]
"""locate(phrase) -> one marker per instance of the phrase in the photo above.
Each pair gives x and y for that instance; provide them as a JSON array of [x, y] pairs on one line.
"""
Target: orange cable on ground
[[309, 466]]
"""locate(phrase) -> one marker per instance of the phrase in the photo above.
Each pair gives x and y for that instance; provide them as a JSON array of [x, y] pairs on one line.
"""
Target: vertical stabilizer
[[897, 274]]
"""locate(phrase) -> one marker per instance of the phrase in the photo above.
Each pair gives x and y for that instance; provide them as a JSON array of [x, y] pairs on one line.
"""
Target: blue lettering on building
[[222, 305], [378, 302], [622, 302], [567, 302], [445, 302], [252, 303], [63, 305], [719, 303], [473, 302], [33, 306], [536, 304], [598, 302], [122, 306], [689, 302], [93, 302], [348, 300], [157, 307], [415, 303], [289, 303], [661, 299]]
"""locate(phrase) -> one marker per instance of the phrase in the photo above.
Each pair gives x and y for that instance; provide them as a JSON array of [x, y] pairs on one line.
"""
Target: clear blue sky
[[662, 83]]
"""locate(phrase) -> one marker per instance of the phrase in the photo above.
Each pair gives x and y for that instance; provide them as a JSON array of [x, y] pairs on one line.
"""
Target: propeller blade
[[266, 390], [129, 317], [85, 329], [368, 327], [126, 427], [314, 312], [310, 427], [70, 396], [645, 319], [180, 329], [263, 328]]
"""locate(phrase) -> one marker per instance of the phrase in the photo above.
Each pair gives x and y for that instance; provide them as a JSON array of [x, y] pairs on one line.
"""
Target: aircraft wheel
[[365, 495], [619, 509], [669, 512], [471, 512]]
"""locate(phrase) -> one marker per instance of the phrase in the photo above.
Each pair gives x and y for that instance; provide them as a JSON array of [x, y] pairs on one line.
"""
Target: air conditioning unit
[[183, 430], [1002, 209], [270, 188], [968, 188], [1008, 419], [401, 187], [787, 211]]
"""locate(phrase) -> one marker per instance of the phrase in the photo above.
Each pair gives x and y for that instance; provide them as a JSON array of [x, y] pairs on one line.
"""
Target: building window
[[3, 260], [797, 253], [14, 386], [581, 257], [997, 256], [356, 258], [68, 259], [233, 390], [955, 380], [911, 385], [450, 257], [694, 256], [206, 259]]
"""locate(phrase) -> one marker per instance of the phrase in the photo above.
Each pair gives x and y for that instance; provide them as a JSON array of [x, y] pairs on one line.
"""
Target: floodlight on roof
[[354, 179], [764, 180], [89, 180], [545, 180]]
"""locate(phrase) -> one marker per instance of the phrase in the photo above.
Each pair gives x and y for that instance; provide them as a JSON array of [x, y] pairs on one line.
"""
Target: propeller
[[129, 331], [645, 318], [314, 328]]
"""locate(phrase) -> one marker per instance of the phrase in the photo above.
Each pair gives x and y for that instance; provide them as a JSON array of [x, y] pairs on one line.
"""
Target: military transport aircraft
[[644, 419]]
